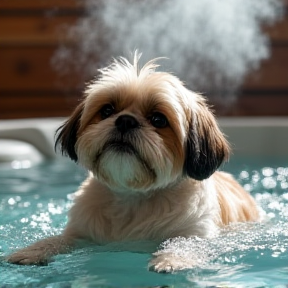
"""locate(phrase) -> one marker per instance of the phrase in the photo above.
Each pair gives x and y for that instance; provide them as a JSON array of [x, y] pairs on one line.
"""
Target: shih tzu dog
[[152, 148]]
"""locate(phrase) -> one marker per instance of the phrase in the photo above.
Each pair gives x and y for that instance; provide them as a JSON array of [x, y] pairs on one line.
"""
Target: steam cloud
[[211, 44]]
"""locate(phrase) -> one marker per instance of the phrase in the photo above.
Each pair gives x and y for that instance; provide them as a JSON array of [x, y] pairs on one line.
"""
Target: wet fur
[[149, 183]]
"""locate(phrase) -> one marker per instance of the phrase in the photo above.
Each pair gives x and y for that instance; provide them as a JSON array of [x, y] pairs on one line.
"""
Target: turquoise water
[[34, 204]]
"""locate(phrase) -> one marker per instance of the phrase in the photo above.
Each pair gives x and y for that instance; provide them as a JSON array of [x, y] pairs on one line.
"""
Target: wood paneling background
[[30, 87]]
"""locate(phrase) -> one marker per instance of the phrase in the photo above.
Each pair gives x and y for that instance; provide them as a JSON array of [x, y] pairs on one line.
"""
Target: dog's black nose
[[125, 123]]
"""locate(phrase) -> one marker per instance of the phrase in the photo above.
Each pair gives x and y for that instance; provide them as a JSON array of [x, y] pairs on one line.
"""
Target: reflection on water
[[34, 204]]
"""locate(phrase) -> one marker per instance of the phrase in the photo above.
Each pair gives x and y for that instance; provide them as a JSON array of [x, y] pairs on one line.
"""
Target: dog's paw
[[28, 257], [168, 263], [41, 252]]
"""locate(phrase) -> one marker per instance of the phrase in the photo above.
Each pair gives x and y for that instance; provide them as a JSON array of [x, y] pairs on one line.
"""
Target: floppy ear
[[67, 133], [206, 146]]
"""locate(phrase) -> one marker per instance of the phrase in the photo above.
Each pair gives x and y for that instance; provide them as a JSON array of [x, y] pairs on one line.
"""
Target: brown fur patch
[[235, 203]]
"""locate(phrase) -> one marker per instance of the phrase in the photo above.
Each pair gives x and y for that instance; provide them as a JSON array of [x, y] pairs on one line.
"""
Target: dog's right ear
[[67, 133]]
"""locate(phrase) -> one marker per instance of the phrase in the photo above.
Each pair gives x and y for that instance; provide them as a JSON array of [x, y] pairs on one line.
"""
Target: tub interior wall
[[247, 136]]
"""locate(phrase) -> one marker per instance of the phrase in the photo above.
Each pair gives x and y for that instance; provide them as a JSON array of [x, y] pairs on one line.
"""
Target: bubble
[[282, 171], [11, 201], [255, 176], [244, 174], [267, 171], [269, 183], [284, 185]]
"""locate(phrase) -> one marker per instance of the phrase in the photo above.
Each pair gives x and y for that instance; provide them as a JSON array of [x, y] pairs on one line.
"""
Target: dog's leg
[[164, 262], [40, 252]]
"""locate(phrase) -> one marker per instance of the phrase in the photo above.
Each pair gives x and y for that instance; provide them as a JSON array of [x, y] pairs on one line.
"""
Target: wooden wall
[[30, 87], [265, 93]]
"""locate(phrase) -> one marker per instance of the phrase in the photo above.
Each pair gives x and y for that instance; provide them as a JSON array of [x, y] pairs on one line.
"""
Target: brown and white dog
[[152, 148]]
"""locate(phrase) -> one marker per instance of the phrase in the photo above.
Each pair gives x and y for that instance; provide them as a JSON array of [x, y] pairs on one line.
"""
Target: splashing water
[[212, 45], [245, 254], [34, 204]]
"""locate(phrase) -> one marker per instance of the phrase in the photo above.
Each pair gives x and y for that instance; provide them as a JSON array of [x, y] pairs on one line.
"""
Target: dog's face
[[139, 131]]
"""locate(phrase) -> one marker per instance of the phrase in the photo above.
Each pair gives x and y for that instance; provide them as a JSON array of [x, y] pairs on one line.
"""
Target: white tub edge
[[267, 136]]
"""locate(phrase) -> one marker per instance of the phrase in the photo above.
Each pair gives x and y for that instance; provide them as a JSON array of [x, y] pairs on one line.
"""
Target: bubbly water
[[34, 204]]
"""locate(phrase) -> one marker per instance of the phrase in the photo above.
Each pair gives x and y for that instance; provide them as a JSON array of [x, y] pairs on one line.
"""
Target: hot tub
[[36, 189]]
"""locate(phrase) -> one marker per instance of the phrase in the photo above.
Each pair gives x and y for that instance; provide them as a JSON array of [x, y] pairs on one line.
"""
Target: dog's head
[[139, 130]]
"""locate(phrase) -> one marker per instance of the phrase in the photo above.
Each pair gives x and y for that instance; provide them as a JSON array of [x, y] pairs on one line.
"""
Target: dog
[[152, 148]]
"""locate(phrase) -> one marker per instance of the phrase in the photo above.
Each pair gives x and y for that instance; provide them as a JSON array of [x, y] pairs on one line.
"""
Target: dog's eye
[[106, 111], [159, 120]]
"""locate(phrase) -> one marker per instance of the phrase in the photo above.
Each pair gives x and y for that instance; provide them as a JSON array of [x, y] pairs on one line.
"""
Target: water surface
[[34, 204]]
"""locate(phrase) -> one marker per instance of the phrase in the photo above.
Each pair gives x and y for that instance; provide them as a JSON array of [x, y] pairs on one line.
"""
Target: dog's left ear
[[206, 146], [67, 133]]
